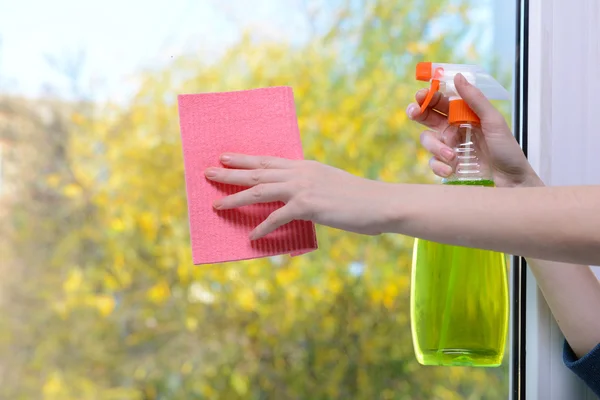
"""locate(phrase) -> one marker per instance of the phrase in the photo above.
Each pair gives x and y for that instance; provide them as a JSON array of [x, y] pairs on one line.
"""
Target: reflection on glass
[[99, 299]]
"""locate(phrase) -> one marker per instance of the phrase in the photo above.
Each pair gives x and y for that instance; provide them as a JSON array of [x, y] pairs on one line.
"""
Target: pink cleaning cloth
[[254, 122]]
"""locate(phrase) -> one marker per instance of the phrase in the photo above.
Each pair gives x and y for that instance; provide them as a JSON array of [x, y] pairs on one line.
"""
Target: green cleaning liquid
[[459, 303]]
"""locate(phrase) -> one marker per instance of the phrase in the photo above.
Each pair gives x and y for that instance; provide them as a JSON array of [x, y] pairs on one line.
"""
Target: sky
[[119, 37], [114, 39]]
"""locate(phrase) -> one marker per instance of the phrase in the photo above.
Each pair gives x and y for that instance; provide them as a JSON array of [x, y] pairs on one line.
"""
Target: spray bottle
[[459, 295]]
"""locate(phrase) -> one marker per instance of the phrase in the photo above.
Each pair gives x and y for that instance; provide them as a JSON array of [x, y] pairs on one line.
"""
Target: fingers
[[439, 168], [267, 193], [444, 158], [247, 177], [429, 118], [433, 117], [276, 219], [477, 101], [432, 142], [256, 162], [439, 102]]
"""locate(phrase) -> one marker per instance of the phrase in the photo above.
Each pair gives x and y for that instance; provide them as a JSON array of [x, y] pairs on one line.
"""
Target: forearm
[[549, 223], [573, 295], [572, 292]]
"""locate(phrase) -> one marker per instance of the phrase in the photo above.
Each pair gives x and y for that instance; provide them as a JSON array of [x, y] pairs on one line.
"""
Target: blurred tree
[[105, 302]]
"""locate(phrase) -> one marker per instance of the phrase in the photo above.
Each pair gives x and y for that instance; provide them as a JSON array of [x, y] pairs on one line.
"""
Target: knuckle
[[311, 166], [311, 171], [257, 191], [428, 140], [304, 204], [303, 199], [256, 176], [303, 186], [265, 162]]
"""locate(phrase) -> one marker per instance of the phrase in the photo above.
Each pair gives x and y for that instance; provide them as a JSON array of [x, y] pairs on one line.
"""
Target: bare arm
[[572, 292], [573, 295], [550, 223]]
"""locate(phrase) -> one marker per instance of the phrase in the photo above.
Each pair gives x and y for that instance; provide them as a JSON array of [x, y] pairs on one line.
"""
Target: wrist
[[397, 208], [532, 180], [523, 178]]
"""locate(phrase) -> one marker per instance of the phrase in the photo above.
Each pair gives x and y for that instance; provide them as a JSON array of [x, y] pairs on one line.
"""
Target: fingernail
[[252, 235], [447, 171], [217, 204], [210, 172], [412, 110], [225, 158], [461, 79], [447, 154]]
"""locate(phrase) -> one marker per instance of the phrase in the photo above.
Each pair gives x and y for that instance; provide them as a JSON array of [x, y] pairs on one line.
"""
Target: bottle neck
[[470, 165], [461, 113]]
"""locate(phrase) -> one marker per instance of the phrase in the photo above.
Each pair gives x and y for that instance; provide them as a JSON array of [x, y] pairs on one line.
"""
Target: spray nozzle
[[442, 75], [425, 73]]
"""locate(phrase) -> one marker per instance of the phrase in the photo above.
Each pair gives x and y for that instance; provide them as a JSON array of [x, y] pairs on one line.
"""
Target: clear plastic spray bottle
[[459, 296]]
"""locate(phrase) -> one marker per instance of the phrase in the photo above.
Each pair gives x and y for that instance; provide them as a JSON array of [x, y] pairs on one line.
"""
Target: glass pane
[[99, 297]]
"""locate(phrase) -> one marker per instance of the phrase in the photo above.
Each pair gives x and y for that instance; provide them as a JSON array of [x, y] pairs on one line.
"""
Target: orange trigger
[[435, 86]]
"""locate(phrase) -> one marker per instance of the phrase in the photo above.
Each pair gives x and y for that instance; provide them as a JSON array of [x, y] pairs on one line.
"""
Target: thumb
[[477, 101]]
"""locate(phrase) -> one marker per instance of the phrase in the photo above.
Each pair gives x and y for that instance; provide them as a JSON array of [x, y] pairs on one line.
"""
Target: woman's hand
[[310, 190], [509, 165]]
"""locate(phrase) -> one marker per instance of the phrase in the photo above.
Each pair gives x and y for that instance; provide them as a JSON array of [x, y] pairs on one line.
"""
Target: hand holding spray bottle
[[459, 295]]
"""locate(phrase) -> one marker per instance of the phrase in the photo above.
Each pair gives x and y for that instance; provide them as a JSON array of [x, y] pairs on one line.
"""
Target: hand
[[509, 165], [310, 190]]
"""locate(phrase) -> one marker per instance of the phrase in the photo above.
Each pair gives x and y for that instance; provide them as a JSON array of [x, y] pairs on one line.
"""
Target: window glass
[[99, 298]]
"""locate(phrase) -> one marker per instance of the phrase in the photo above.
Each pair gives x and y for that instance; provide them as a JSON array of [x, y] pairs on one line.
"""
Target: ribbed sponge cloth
[[255, 122]]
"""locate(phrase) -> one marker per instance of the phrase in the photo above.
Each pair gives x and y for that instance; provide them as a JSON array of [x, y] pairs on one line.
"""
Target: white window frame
[[563, 137]]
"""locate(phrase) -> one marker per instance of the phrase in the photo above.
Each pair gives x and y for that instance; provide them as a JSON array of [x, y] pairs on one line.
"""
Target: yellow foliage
[[186, 368], [239, 383], [147, 225], [140, 373], [73, 282], [159, 293], [286, 276], [191, 323], [334, 284], [110, 282], [184, 273], [72, 190], [390, 292], [61, 308], [105, 305], [53, 386], [246, 299], [417, 47], [53, 180], [78, 119], [117, 225]]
